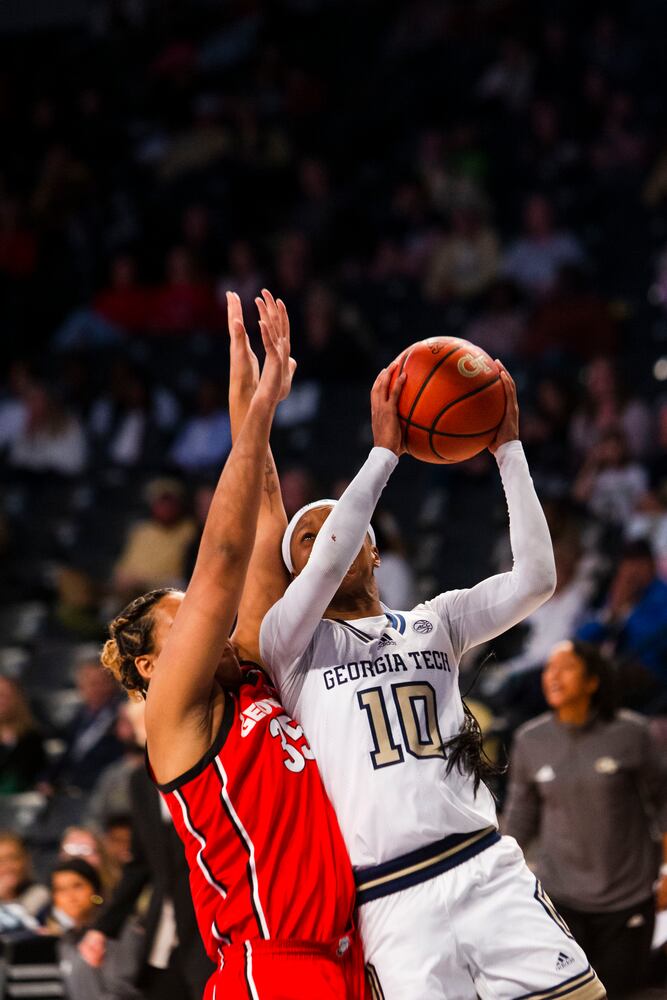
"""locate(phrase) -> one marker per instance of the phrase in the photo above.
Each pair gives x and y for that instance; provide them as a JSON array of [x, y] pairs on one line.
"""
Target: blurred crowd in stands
[[492, 169]]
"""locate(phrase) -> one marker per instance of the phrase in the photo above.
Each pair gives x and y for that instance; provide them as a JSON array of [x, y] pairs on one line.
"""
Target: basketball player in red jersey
[[271, 881]]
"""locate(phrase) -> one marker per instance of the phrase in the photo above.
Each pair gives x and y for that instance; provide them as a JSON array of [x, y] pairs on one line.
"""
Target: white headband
[[289, 530]]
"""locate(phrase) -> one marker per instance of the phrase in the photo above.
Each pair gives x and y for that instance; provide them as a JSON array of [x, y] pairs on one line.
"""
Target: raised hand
[[244, 367], [92, 948], [387, 431], [276, 378], [509, 428]]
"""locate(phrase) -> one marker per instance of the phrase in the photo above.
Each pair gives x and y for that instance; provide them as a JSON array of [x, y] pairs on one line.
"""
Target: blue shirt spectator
[[633, 623]]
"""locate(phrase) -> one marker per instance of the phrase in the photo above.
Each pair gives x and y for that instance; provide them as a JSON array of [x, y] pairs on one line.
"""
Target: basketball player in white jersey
[[447, 907]]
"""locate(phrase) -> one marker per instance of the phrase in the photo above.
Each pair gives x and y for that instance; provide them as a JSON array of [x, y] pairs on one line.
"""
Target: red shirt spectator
[[124, 302], [185, 302], [18, 248]]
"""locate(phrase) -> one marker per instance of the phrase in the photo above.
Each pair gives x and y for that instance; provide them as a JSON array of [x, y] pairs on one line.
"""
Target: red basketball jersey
[[266, 856]]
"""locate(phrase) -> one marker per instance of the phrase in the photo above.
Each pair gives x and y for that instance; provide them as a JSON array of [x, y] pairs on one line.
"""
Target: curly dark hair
[[131, 634], [466, 752]]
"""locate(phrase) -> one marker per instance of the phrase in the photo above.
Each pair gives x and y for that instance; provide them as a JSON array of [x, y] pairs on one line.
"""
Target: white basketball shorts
[[482, 929]]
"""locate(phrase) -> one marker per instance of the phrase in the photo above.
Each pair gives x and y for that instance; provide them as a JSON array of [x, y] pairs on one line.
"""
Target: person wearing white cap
[[447, 907]]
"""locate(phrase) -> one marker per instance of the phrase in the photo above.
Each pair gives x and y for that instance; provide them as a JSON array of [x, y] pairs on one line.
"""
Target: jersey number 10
[[421, 735]]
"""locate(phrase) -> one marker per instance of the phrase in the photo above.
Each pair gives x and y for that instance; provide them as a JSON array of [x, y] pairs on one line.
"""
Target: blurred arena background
[[493, 169]]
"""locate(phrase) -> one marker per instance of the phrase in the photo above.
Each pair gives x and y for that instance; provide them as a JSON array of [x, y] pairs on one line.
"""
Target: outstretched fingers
[[508, 381], [235, 315], [397, 388], [379, 390], [284, 318]]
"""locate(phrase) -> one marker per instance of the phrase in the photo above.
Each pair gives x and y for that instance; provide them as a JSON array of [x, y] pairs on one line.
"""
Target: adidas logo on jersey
[[563, 961], [386, 640]]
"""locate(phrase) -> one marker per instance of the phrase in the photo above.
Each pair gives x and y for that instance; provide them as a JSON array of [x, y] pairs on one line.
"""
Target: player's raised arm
[[182, 675], [267, 577], [291, 623], [501, 601]]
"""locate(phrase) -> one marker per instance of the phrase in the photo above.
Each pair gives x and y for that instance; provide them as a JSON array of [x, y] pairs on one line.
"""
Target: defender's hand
[[276, 378], [509, 428], [387, 431], [244, 367]]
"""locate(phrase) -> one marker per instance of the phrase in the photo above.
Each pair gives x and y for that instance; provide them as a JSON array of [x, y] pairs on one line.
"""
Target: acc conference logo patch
[[422, 626]]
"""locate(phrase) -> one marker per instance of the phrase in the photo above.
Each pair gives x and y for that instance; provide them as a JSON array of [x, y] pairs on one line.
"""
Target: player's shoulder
[[535, 728]]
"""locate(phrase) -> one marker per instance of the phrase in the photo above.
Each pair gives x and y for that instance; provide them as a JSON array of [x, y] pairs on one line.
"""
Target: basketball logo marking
[[422, 626], [471, 365], [434, 346]]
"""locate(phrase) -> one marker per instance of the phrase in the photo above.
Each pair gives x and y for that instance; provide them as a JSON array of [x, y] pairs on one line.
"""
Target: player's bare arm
[[267, 578], [184, 704]]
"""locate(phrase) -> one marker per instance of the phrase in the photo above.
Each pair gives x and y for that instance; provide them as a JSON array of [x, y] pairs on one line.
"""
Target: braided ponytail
[[131, 634]]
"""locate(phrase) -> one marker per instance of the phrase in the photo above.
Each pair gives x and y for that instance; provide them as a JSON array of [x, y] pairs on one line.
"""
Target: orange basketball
[[453, 400]]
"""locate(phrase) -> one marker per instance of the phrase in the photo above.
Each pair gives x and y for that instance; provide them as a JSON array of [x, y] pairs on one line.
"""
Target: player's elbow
[[543, 579]]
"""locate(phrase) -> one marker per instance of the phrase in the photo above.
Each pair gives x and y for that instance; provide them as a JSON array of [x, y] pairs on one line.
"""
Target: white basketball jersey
[[378, 698]]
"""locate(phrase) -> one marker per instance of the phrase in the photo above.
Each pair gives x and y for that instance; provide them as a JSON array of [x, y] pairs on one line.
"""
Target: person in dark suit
[[91, 742], [175, 964]]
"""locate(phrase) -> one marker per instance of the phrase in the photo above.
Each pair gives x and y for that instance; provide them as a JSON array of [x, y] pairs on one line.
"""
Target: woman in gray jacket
[[75, 887], [588, 783]]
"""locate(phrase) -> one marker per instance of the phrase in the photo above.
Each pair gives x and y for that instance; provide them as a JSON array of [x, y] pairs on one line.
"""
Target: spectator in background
[[75, 896], [632, 626], [394, 575], [587, 782], [129, 420], [199, 238], [90, 742], [509, 80], [499, 327], [206, 437], [297, 487], [200, 503], [330, 351], [572, 321], [619, 149], [535, 259], [172, 960], [607, 407], [450, 181], [464, 261], [18, 247], [609, 482], [154, 551], [650, 520], [82, 842], [111, 794], [291, 264], [558, 617], [13, 404], [546, 425], [76, 891], [17, 883], [117, 838], [51, 439], [242, 275], [185, 303], [22, 756], [124, 302]]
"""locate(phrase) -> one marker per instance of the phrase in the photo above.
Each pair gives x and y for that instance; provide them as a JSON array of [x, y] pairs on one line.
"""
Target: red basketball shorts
[[291, 970]]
